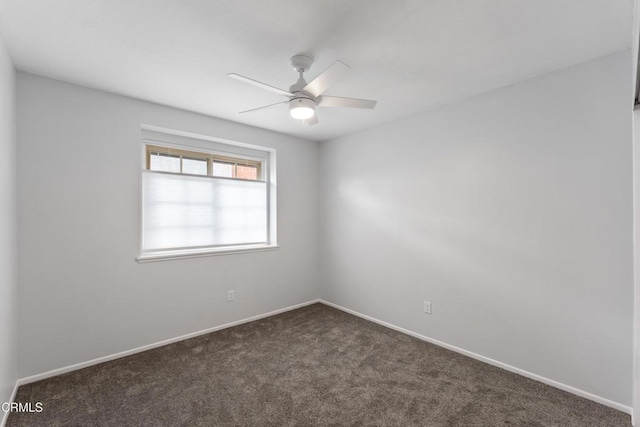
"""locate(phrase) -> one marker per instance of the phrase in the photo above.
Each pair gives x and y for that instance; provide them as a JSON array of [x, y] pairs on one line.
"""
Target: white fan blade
[[312, 121], [336, 101], [326, 78], [260, 84], [265, 107]]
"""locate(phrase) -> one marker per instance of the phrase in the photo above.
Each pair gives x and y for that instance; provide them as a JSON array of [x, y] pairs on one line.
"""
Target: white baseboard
[[5, 415], [552, 383], [60, 371]]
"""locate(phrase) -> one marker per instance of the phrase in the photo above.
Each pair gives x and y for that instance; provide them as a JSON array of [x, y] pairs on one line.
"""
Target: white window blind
[[188, 212]]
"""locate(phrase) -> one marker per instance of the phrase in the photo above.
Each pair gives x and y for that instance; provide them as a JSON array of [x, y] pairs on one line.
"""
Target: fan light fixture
[[303, 97], [302, 108]]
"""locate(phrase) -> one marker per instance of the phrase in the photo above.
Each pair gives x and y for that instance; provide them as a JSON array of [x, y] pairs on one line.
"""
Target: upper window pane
[[177, 160], [223, 169], [164, 162], [246, 172], [194, 166]]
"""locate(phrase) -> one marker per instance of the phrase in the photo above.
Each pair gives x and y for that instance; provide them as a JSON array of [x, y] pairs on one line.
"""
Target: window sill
[[173, 255]]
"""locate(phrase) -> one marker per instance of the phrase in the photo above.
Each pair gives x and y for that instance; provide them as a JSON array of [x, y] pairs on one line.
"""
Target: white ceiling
[[410, 55]]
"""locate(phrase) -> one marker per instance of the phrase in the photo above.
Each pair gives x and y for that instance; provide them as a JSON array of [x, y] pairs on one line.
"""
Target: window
[[206, 198]]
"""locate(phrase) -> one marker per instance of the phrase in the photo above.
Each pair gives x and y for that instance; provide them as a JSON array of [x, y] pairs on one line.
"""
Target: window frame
[[186, 145]]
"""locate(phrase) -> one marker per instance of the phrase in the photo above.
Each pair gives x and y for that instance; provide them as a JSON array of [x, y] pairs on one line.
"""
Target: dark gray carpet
[[312, 366]]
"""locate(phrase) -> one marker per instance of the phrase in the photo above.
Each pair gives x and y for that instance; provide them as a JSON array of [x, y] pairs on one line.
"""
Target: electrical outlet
[[427, 307], [231, 295]]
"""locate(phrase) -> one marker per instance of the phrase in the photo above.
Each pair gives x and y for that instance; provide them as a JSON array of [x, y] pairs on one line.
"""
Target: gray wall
[[8, 239], [82, 295], [636, 240], [511, 212]]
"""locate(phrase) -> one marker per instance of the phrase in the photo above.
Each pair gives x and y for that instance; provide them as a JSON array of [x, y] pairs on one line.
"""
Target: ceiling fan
[[305, 97]]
